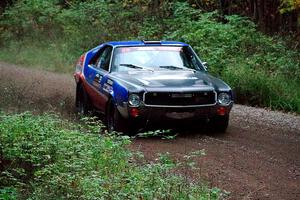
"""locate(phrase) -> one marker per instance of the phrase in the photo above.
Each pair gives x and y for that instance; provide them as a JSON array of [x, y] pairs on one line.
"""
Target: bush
[[261, 69], [44, 157]]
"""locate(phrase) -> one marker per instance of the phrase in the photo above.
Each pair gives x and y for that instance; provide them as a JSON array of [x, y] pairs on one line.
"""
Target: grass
[[45, 55], [258, 88], [45, 157]]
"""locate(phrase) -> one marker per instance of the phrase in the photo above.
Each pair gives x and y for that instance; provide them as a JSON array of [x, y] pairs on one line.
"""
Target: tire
[[114, 120], [82, 103], [219, 124]]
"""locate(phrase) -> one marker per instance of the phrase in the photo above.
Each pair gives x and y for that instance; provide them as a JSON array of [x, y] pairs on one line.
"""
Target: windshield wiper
[[175, 67], [135, 66]]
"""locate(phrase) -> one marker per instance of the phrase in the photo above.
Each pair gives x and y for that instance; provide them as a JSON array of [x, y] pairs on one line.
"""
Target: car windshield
[[155, 58]]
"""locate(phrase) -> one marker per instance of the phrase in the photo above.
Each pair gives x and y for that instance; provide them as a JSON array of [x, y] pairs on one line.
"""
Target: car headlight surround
[[224, 99], [134, 100]]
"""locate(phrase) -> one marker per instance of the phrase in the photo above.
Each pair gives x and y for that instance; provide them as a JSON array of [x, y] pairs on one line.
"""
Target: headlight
[[134, 100], [224, 99]]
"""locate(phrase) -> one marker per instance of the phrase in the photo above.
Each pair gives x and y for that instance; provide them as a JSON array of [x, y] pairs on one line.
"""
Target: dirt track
[[258, 157]]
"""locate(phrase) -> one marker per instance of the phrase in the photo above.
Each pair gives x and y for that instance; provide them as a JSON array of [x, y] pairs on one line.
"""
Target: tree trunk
[[264, 12], [224, 4]]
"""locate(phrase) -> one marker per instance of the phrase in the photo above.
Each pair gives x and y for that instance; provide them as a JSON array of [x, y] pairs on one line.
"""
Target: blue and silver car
[[136, 82]]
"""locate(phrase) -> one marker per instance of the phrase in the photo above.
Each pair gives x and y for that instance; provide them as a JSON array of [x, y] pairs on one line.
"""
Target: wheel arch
[[109, 101], [78, 84]]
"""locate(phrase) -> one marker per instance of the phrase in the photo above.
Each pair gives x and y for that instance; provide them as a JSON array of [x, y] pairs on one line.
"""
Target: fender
[[119, 98]]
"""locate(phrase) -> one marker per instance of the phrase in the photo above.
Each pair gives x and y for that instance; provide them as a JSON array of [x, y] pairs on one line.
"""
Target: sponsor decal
[[107, 88], [150, 48], [110, 82], [97, 80]]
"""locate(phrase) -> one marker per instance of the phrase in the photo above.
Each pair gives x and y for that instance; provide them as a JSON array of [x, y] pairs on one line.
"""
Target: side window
[[193, 61], [104, 58]]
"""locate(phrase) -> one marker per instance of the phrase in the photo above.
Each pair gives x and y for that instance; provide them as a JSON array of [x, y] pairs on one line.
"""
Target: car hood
[[168, 80]]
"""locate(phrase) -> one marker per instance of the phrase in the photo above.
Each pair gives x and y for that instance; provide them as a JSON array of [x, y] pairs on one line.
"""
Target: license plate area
[[180, 115]]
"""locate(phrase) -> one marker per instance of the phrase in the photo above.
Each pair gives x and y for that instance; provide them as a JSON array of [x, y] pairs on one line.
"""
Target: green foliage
[[233, 47], [262, 70], [44, 157], [164, 134], [36, 15], [8, 193], [51, 35], [289, 5]]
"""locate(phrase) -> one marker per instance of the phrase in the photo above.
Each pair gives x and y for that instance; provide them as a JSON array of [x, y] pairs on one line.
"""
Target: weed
[[44, 157]]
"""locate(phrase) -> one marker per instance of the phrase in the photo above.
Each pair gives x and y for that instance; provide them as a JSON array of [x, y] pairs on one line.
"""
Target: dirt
[[257, 158], [24, 88]]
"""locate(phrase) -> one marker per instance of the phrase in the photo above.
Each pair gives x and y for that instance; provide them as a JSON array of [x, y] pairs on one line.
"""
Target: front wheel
[[219, 124], [115, 122]]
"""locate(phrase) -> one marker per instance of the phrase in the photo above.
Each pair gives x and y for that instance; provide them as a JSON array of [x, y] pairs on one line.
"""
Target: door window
[[103, 60]]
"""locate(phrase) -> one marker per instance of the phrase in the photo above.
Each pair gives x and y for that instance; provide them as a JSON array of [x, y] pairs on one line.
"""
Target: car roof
[[145, 43]]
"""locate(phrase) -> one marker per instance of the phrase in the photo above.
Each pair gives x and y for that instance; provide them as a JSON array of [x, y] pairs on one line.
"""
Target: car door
[[98, 69]]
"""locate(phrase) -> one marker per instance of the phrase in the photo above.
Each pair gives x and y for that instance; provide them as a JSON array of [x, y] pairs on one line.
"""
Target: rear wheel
[[115, 122], [219, 124], [82, 103]]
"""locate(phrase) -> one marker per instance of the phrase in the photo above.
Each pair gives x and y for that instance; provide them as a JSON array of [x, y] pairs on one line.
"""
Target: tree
[[271, 15]]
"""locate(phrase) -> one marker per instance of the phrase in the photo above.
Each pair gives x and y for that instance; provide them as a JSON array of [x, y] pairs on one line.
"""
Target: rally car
[[136, 82]]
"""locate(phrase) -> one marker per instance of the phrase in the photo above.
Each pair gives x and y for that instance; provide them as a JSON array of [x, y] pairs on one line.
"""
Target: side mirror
[[205, 65]]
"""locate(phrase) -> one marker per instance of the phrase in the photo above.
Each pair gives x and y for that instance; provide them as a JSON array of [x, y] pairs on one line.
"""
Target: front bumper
[[157, 114]]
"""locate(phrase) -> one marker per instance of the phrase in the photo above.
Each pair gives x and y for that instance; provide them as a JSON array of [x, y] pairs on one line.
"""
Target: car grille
[[180, 98]]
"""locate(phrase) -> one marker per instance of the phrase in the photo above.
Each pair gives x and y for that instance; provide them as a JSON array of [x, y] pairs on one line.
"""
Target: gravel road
[[258, 157]]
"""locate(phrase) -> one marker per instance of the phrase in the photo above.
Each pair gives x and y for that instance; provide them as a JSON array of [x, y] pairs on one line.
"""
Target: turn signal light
[[221, 111], [134, 112]]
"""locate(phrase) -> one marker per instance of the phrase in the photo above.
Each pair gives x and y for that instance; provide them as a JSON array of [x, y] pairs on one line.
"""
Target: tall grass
[[40, 54]]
